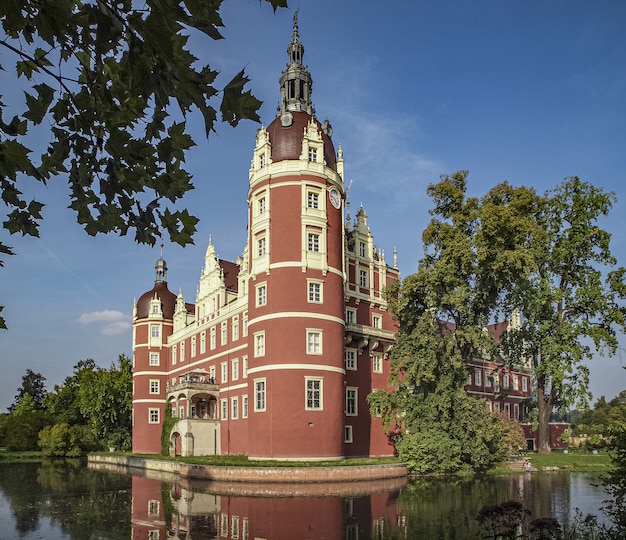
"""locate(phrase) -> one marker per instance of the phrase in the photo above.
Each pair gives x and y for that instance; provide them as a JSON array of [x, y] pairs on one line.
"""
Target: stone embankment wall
[[279, 475]]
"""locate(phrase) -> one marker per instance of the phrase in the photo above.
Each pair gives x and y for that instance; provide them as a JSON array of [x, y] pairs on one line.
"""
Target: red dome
[[287, 141], [168, 301]]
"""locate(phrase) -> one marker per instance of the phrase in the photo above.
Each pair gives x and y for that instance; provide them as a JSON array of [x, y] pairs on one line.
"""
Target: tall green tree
[[471, 255], [33, 385], [113, 83], [571, 297]]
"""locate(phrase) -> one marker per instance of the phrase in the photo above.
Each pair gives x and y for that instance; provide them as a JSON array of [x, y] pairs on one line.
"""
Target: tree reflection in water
[[53, 499]]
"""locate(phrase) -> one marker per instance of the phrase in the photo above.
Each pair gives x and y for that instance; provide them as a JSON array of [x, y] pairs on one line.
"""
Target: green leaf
[[237, 105]]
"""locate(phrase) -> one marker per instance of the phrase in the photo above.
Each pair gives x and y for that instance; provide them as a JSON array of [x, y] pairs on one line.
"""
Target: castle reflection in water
[[168, 507]]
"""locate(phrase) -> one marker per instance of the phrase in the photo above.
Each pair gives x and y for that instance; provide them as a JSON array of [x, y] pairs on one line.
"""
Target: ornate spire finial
[[295, 82]]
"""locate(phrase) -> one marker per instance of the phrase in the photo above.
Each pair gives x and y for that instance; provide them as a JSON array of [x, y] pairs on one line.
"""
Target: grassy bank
[[573, 461]]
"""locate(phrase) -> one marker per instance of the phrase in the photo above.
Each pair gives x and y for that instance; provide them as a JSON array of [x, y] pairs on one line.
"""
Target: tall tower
[[296, 279], [152, 325]]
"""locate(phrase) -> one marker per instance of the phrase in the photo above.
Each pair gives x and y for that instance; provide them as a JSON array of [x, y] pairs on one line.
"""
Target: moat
[[69, 500]]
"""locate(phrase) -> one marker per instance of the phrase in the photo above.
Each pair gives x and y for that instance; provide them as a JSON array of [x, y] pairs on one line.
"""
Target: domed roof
[[287, 141], [167, 298]]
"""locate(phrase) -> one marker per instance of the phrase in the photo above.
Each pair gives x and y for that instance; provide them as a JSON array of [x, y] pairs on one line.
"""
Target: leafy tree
[[113, 83], [105, 399], [471, 255], [63, 404], [62, 440], [33, 385], [22, 430], [571, 297]]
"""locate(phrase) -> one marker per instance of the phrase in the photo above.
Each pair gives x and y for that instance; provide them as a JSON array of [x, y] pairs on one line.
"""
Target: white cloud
[[114, 322]]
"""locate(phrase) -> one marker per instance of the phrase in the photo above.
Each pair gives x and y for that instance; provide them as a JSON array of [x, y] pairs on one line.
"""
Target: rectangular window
[[154, 359], [213, 338], [260, 247], [505, 381], [224, 338], [362, 249], [153, 416], [377, 363], [181, 412], [516, 411], [174, 353], [234, 369], [362, 278], [261, 205], [235, 327], [261, 295], [182, 351], [350, 315], [487, 381], [154, 386], [212, 374], [244, 366], [507, 410], [376, 321], [515, 382], [153, 507], [313, 200], [259, 344], [224, 409], [496, 382], [224, 378], [315, 292], [351, 359], [245, 324], [313, 242], [313, 394], [524, 385], [312, 155], [203, 343], [234, 408], [244, 406], [155, 331], [478, 377], [193, 346], [352, 407], [259, 395], [347, 435], [496, 407], [234, 528], [314, 342]]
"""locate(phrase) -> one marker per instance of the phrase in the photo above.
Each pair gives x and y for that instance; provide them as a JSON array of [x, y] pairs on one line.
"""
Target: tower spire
[[296, 83], [161, 267]]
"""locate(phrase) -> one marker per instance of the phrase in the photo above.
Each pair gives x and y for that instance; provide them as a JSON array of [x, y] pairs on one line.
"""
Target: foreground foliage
[[109, 86]]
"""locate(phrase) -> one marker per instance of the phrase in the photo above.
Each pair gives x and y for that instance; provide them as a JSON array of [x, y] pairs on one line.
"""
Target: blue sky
[[525, 91]]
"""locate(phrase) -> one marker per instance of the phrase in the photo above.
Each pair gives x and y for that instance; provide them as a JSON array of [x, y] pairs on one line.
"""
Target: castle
[[279, 351]]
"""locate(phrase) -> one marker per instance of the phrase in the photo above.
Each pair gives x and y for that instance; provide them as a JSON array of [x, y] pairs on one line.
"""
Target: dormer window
[[262, 160], [362, 249], [312, 155]]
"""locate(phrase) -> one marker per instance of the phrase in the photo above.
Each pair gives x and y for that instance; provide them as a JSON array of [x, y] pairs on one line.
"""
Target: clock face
[[334, 198]]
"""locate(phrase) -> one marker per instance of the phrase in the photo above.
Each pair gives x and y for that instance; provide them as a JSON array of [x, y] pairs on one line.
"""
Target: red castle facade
[[279, 351]]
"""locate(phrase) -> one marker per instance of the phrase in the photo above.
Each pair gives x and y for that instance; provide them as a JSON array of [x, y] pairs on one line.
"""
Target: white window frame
[[261, 294], [261, 246], [377, 321], [351, 359], [155, 359], [524, 384], [174, 353], [224, 409], [350, 315], [235, 328], [377, 363], [224, 333], [244, 366], [313, 199], [155, 386], [203, 342], [259, 344], [313, 155], [244, 406], [234, 408], [314, 341], [478, 377], [260, 395], [352, 401], [224, 372], [234, 369], [313, 393], [193, 346], [362, 278], [213, 338], [315, 291], [362, 249], [154, 416], [313, 241], [348, 434]]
